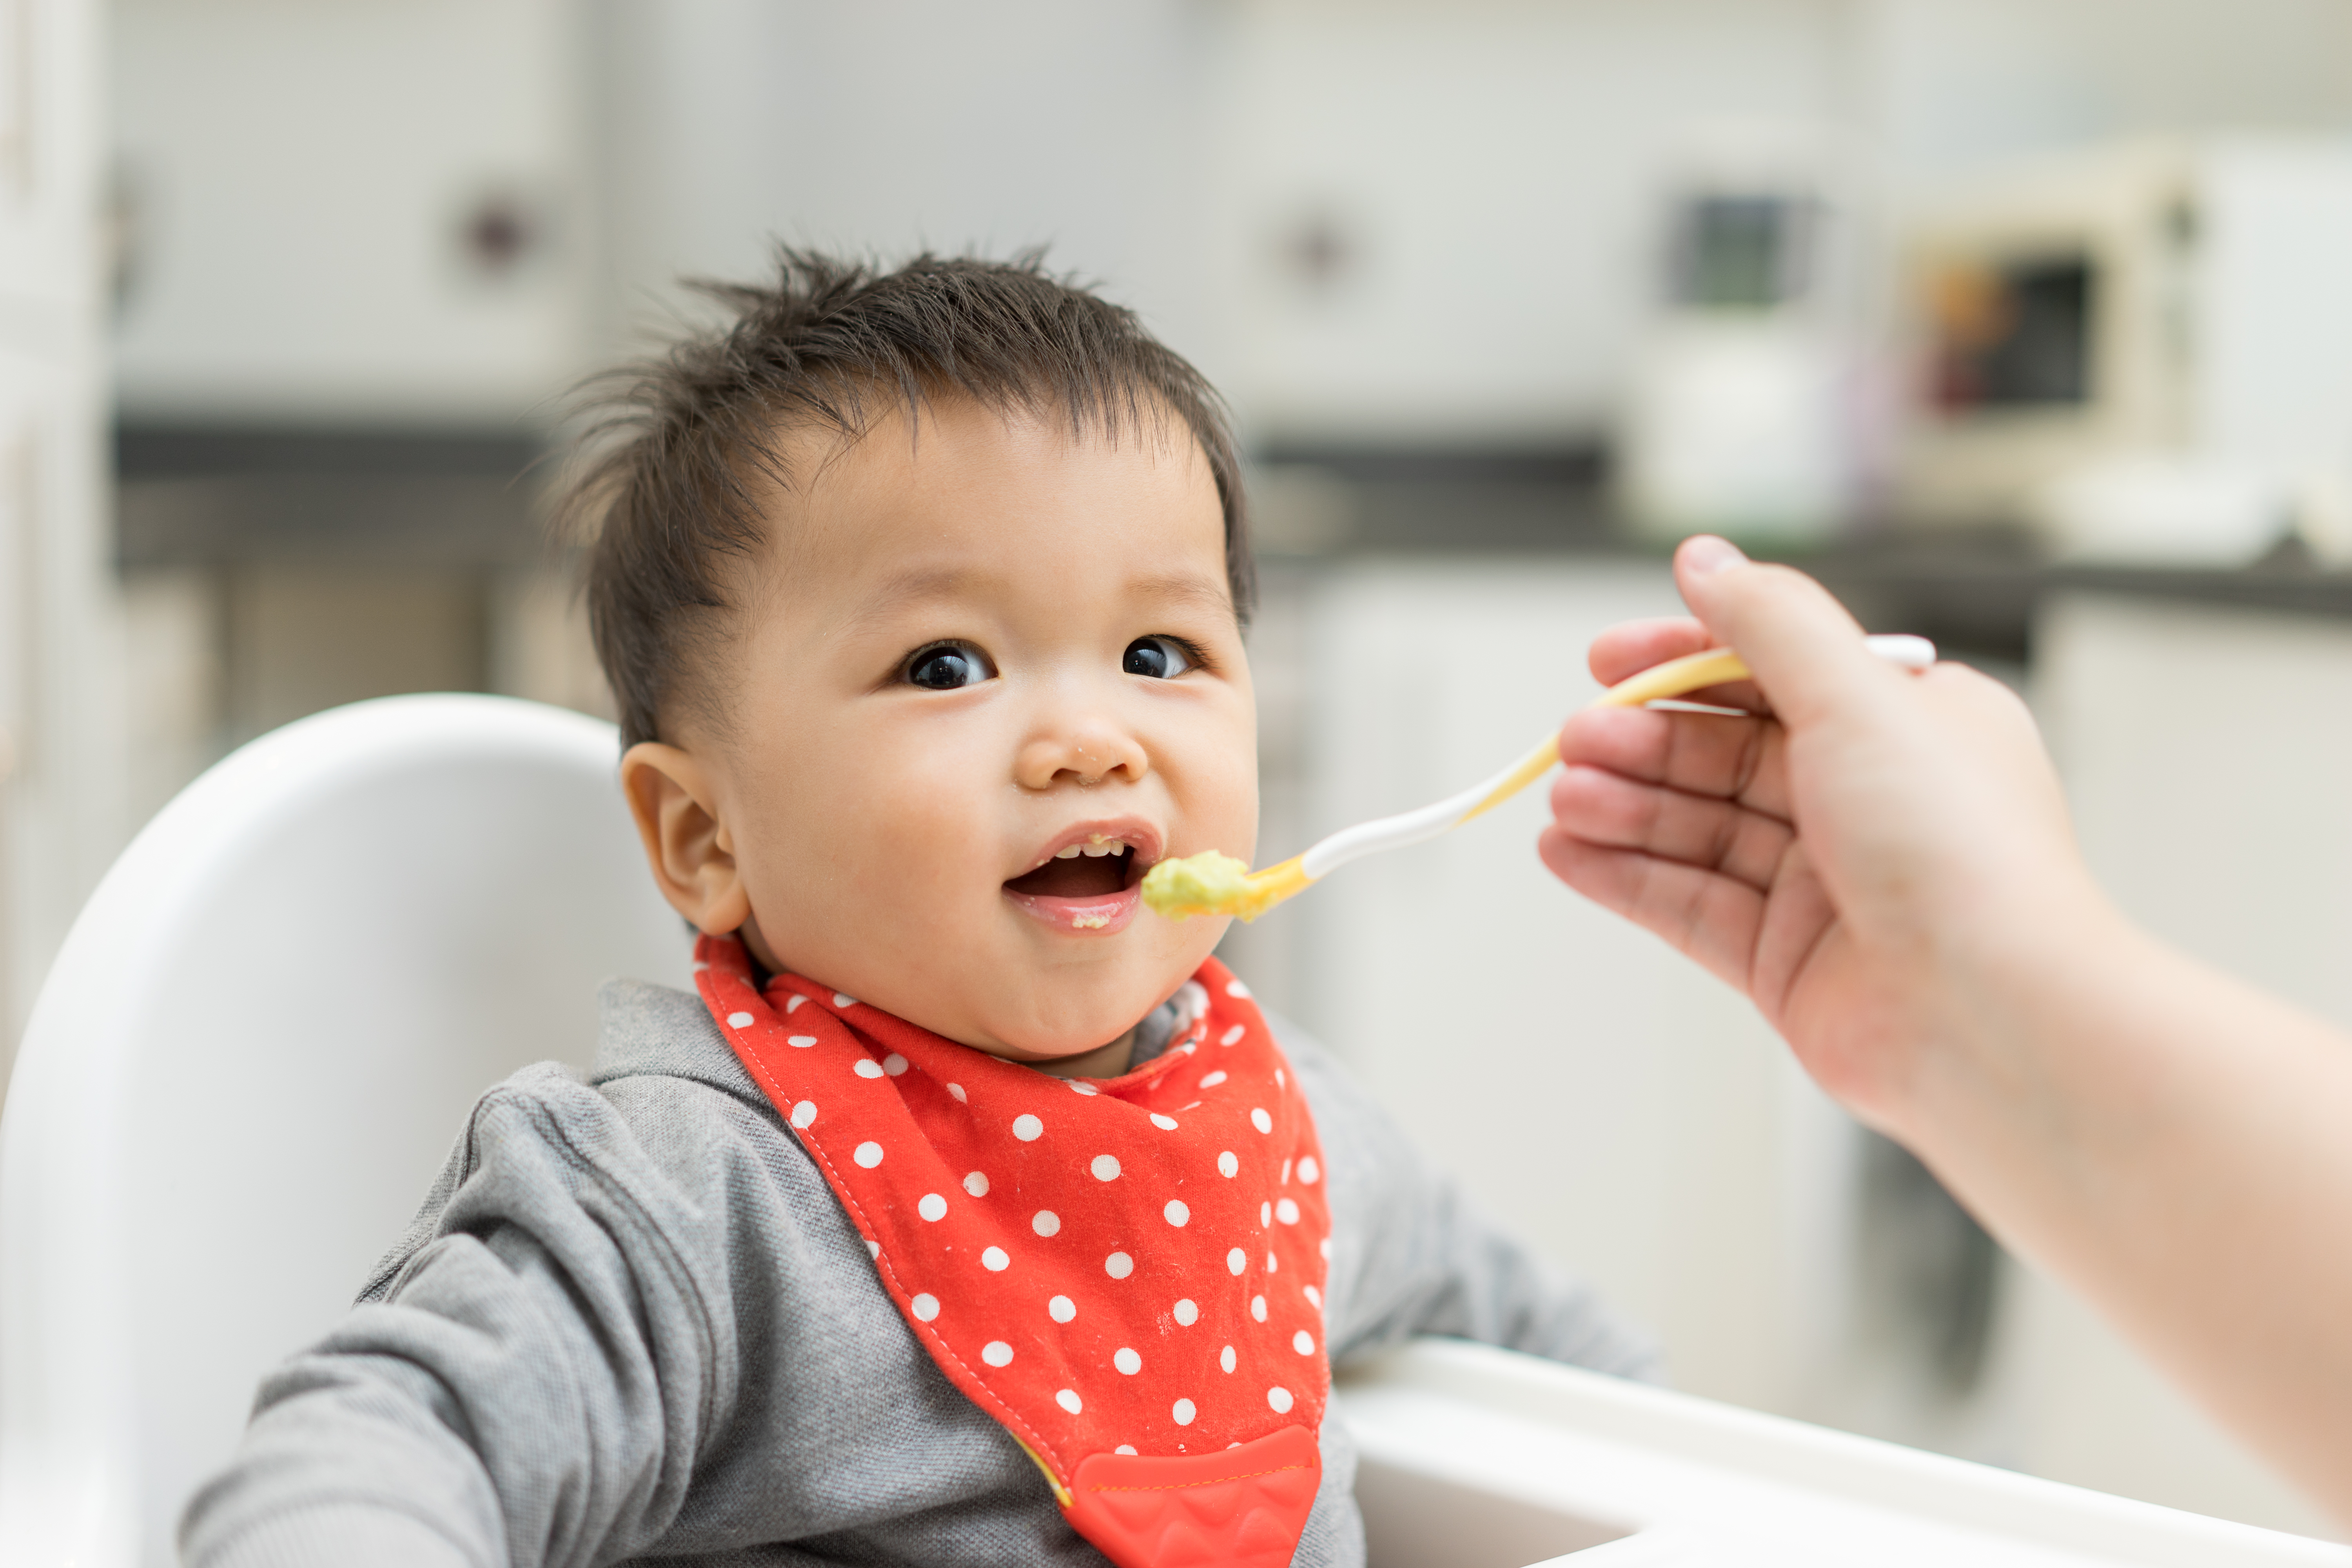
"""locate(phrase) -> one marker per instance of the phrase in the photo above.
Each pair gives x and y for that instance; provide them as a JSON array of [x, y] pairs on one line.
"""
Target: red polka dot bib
[[1125, 1272]]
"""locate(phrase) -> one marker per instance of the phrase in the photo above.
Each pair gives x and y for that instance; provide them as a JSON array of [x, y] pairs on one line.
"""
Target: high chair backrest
[[251, 1057]]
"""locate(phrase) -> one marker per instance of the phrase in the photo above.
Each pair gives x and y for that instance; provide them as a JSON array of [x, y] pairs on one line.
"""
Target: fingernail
[[1705, 555]]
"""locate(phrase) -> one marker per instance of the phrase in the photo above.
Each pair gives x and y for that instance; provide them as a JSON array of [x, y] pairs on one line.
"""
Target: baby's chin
[[1056, 1029]]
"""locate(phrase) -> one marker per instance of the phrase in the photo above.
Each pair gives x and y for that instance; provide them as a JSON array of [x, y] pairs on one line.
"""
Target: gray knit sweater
[[631, 1321]]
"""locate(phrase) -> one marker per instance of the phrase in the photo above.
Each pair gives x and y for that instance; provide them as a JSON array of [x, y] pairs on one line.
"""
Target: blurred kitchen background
[[2026, 323]]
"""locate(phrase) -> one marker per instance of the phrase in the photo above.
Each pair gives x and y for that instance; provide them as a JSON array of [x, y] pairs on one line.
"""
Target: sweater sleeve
[[1411, 1256], [525, 1384]]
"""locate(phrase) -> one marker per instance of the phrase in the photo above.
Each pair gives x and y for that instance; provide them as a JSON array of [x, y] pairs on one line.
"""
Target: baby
[[970, 1213]]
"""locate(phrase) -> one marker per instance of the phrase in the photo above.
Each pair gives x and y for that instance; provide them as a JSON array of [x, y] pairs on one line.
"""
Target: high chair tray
[[1477, 1458]]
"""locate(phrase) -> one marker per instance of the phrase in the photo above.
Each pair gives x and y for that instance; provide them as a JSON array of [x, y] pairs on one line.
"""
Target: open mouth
[[1089, 882], [1095, 869]]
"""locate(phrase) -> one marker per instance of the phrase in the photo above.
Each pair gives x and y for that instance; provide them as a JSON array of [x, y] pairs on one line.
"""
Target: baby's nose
[[1084, 755]]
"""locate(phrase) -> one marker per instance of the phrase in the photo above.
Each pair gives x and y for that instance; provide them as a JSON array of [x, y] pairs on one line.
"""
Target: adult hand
[[1858, 859], [1883, 862]]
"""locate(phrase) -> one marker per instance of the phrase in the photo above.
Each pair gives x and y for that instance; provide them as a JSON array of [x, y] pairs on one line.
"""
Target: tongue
[[1081, 876]]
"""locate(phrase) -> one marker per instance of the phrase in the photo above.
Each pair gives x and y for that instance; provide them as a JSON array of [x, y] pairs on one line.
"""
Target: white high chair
[[266, 1026], [250, 1059]]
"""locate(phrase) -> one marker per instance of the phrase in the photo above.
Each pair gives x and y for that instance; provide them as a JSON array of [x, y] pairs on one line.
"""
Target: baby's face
[[987, 675]]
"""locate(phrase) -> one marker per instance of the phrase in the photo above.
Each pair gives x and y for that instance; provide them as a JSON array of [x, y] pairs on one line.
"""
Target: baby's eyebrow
[[921, 584], [916, 585], [1186, 590]]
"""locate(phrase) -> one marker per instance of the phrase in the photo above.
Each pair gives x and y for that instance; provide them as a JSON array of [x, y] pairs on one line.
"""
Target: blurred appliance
[[1738, 417], [2144, 352]]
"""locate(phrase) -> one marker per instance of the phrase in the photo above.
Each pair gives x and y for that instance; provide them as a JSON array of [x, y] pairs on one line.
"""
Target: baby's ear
[[686, 846]]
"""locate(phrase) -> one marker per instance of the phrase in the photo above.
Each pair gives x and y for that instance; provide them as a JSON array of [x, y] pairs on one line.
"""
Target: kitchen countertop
[[470, 500]]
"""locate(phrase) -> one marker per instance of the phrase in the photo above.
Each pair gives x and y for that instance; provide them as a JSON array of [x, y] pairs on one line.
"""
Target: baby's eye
[[1162, 659], [943, 667]]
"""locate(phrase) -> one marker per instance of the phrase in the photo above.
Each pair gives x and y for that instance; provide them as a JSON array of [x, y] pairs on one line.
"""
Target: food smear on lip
[[1208, 883]]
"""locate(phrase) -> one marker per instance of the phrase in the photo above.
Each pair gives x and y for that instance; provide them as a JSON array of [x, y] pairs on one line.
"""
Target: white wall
[[1956, 86]]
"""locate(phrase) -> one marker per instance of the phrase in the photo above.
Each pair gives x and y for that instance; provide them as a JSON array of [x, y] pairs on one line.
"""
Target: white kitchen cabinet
[[351, 214]]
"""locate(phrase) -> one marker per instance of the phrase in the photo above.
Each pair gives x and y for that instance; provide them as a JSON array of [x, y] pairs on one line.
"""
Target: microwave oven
[[2143, 352]]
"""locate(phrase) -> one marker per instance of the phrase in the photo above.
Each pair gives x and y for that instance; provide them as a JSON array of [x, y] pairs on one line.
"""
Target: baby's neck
[[1102, 1061]]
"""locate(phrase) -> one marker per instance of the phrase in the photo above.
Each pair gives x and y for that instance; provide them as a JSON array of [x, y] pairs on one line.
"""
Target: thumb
[[1805, 651]]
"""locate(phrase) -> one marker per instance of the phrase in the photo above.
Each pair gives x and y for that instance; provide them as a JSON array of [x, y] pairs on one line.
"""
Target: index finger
[[1631, 646]]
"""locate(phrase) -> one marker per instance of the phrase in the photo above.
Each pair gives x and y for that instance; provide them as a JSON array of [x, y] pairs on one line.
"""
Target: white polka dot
[[1118, 1266], [976, 1184], [1124, 1448], [1308, 1171], [803, 1113], [869, 1155], [1285, 1211], [1314, 1297], [700, 967], [1225, 1358], [994, 1261], [893, 1064], [1272, 1263], [843, 999], [1260, 1120], [932, 1206], [1061, 1308], [1285, 1179], [996, 1353], [960, 1097], [1188, 1312], [1028, 1128], [803, 1041], [1176, 1214], [1184, 1411], [873, 1249], [1105, 1167], [1214, 1079], [1127, 1361], [868, 1067], [1227, 1165], [1230, 1036], [795, 1005], [1280, 1399], [1257, 1307], [1165, 1123], [1045, 1222], [1068, 1400], [1237, 1261], [1079, 1087], [927, 1306], [1325, 1245], [1265, 1215], [739, 1020], [1235, 988], [1303, 1343]]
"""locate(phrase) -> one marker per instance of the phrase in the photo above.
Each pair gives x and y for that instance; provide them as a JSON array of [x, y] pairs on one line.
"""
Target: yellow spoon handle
[[1693, 672]]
